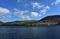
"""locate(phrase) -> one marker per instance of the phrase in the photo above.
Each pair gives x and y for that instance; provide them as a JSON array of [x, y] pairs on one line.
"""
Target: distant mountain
[[1, 22], [55, 19]]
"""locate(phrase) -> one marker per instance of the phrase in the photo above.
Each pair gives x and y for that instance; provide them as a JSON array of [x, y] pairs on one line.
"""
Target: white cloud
[[21, 14], [37, 5], [19, 11], [43, 9], [55, 2], [35, 14], [46, 8], [27, 17], [24, 14], [4, 12], [18, 1]]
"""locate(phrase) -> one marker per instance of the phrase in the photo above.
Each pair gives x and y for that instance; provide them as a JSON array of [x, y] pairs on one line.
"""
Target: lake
[[13, 32]]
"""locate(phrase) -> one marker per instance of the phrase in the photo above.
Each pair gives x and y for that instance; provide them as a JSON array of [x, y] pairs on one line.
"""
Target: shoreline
[[32, 26]]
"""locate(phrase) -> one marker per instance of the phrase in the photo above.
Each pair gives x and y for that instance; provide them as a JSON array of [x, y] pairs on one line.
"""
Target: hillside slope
[[49, 20], [55, 19]]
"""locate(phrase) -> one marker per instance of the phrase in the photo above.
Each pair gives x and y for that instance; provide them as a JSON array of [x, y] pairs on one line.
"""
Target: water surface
[[12, 32]]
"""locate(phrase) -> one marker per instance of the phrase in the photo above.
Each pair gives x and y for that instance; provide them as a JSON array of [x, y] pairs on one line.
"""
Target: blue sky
[[12, 10]]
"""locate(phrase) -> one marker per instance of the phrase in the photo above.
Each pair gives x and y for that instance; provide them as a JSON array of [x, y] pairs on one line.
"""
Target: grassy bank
[[25, 25]]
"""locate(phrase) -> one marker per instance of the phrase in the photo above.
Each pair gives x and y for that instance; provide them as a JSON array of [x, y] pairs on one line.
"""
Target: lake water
[[29, 32]]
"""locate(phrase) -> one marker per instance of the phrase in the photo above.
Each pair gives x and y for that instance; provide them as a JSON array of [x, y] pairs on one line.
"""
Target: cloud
[[26, 14], [37, 5], [27, 17], [35, 14], [46, 8], [42, 9], [21, 14], [32, 14], [55, 2], [4, 12], [18, 1]]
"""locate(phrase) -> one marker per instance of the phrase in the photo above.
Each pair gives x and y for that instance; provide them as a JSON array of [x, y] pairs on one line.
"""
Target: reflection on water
[[30, 32]]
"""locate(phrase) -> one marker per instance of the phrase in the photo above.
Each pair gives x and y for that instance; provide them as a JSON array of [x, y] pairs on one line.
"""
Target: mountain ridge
[[49, 20]]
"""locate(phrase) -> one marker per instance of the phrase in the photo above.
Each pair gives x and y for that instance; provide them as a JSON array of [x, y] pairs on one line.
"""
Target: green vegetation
[[20, 23], [24, 23]]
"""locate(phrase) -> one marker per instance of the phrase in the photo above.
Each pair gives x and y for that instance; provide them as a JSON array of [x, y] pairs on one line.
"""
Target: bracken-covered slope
[[51, 19]]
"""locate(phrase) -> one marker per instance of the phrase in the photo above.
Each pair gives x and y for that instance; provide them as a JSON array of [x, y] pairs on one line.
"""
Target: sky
[[12, 10]]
